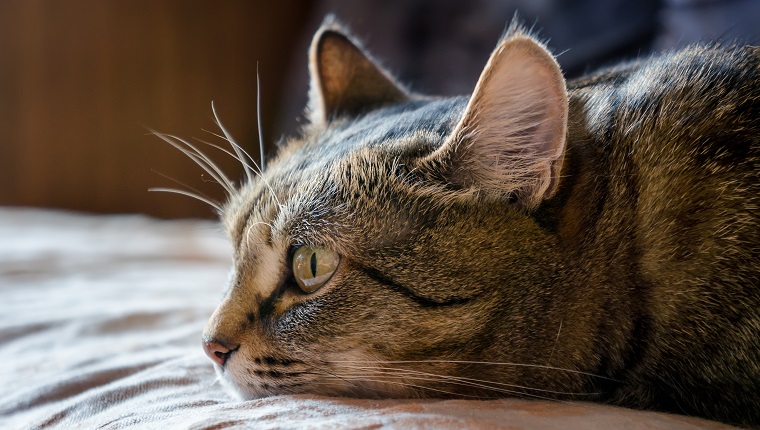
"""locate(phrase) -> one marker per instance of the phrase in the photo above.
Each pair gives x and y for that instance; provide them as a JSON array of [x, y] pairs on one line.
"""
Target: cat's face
[[378, 255]]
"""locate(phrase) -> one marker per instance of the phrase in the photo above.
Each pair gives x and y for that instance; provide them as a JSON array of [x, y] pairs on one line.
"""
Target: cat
[[595, 240]]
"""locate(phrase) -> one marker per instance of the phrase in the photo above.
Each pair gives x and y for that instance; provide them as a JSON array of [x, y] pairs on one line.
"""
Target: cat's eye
[[313, 267]]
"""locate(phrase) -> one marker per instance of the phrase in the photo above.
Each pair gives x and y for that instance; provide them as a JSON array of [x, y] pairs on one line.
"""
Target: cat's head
[[387, 248]]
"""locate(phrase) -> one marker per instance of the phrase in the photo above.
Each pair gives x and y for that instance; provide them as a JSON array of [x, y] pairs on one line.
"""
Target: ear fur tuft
[[510, 141]]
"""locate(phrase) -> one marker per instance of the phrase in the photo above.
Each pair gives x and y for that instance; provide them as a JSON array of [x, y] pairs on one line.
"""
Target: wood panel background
[[81, 81]]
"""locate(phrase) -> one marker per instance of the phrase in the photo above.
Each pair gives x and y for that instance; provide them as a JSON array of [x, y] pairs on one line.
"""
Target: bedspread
[[100, 321]]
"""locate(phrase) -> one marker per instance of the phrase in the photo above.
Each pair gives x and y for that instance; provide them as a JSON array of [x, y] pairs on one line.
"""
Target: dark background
[[81, 81]]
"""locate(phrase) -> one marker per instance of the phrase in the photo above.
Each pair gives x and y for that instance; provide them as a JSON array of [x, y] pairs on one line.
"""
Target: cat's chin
[[250, 387], [240, 391], [244, 393], [243, 383]]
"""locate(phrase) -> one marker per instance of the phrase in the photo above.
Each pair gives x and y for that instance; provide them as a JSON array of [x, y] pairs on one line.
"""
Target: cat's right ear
[[345, 80], [510, 141]]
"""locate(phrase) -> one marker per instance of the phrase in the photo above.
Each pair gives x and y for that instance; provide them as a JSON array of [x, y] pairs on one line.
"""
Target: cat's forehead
[[308, 174], [322, 157], [383, 128]]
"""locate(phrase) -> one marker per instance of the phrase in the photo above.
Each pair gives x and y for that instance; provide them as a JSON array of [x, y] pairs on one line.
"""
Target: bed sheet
[[100, 321]]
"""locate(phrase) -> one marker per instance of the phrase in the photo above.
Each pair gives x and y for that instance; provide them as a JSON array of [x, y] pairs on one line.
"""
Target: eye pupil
[[314, 264]]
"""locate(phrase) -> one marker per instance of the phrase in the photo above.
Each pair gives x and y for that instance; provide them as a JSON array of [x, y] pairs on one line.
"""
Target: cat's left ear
[[345, 80], [510, 140]]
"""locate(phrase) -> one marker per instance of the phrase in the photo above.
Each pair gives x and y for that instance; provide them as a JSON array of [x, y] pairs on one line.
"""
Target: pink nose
[[217, 352]]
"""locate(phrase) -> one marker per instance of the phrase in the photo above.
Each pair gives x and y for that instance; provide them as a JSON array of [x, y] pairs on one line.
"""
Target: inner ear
[[511, 138], [345, 81]]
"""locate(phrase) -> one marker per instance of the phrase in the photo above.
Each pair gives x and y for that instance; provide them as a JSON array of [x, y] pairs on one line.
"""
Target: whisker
[[382, 378], [240, 151], [384, 375], [356, 388], [360, 379], [461, 380], [229, 139], [481, 381], [492, 363], [242, 162], [249, 231], [199, 158], [235, 145], [359, 391], [220, 176], [259, 222], [237, 148], [551, 355], [189, 194]]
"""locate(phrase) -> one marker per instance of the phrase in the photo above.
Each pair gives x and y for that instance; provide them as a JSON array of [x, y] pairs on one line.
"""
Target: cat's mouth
[[251, 377], [263, 376]]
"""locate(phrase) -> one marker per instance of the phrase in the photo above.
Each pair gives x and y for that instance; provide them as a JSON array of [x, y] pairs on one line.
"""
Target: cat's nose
[[218, 351]]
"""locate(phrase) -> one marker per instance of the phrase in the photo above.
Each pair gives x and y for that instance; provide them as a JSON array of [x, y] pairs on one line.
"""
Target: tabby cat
[[592, 240]]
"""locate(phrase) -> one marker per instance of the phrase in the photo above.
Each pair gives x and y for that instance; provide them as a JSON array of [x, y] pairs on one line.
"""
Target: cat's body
[[607, 248], [662, 213]]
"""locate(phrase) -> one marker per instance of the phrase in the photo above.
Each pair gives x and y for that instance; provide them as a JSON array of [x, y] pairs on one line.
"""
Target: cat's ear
[[345, 80], [510, 140]]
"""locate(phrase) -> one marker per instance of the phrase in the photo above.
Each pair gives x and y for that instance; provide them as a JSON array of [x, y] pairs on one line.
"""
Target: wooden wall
[[81, 81]]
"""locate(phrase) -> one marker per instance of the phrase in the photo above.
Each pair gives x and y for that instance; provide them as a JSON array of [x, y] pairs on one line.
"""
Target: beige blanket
[[100, 320]]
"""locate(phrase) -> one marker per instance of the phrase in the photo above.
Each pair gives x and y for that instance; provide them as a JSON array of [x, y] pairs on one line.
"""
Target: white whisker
[[370, 379], [189, 194], [240, 148], [436, 378], [249, 232], [216, 172], [229, 139], [200, 159], [491, 363], [461, 380], [349, 382], [240, 152], [242, 162], [556, 340]]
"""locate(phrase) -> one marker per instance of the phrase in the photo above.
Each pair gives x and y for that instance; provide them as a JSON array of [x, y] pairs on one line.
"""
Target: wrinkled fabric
[[100, 321]]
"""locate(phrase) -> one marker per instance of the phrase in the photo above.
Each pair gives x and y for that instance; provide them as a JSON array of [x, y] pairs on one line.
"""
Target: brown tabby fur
[[619, 262]]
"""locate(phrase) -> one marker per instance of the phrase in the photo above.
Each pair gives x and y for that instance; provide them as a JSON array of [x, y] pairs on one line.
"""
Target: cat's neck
[[572, 212]]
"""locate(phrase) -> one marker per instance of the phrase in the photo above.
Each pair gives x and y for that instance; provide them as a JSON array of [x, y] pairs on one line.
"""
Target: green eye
[[312, 267]]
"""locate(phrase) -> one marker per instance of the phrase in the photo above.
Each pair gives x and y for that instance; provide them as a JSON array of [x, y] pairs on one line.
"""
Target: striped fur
[[620, 265]]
